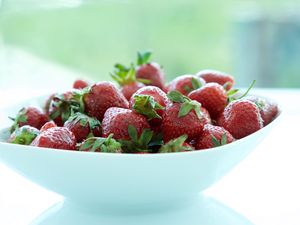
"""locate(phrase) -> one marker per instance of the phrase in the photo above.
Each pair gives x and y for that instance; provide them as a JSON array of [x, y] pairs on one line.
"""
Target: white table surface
[[264, 188]]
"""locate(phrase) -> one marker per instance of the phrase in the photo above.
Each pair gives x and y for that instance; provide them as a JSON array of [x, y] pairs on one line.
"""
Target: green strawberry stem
[[175, 145], [99, 144]]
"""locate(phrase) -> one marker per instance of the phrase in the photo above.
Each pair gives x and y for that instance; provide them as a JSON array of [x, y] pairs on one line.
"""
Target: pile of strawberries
[[144, 115]]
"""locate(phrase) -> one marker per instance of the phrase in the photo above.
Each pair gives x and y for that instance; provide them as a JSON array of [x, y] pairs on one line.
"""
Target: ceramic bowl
[[125, 181]]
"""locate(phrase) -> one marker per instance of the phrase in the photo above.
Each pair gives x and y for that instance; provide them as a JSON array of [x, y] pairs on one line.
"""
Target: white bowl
[[125, 181]]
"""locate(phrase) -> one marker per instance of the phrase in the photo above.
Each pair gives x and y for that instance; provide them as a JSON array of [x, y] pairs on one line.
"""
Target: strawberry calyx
[[232, 93], [137, 144], [216, 142], [175, 145], [196, 84], [20, 118], [99, 144], [24, 135], [147, 106], [187, 104], [143, 58], [85, 120]]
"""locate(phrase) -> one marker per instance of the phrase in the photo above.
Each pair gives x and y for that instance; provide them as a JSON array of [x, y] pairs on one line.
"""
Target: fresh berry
[[221, 78], [150, 72], [176, 145], [24, 135], [99, 144], [83, 126], [48, 125], [64, 105], [213, 136], [80, 84], [31, 116], [185, 84], [56, 137], [241, 118], [127, 80], [183, 117], [268, 109], [212, 96], [102, 96]]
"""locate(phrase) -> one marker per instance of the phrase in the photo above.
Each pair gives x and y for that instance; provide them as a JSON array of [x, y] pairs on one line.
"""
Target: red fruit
[[217, 77], [185, 84], [56, 137], [220, 120], [149, 71], [80, 84], [241, 118], [83, 126], [183, 117], [212, 96], [213, 136], [48, 125], [31, 116], [117, 120], [129, 89], [206, 115], [102, 96], [268, 109]]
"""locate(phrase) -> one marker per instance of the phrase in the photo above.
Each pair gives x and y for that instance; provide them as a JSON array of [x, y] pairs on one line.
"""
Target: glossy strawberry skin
[[129, 89], [217, 77], [152, 72], [57, 138], [268, 109], [205, 139], [184, 85], [102, 96], [212, 96], [80, 84], [174, 126], [116, 121], [242, 118], [31, 116], [48, 125]]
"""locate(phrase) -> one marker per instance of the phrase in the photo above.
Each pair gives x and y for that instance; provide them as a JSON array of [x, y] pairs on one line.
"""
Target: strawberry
[[212, 96], [62, 106], [102, 96], [241, 118], [56, 137], [185, 84], [80, 84], [213, 136], [99, 144], [176, 145], [47, 126], [183, 117], [31, 116], [83, 126], [127, 80], [151, 102], [226, 80], [268, 109], [149, 71], [24, 135]]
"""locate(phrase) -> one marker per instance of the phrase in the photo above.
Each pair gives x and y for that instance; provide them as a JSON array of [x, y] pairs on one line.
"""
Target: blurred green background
[[185, 36]]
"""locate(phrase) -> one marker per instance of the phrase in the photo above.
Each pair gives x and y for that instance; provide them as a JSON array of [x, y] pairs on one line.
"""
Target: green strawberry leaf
[[143, 58], [215, 141], [196, 84], [175, 145], [176, 96], [132, 133], [224, 139]]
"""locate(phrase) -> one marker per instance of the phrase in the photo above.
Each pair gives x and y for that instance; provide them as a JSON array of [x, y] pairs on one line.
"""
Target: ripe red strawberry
[[185, 84], [80, 84], [24, 135], [99, 144], [127, 80], [176, 145], [29, 116], [241, 118], [268, 109], [221, 78], [83, 126], [62, 106], [102, 96], [116, 121], [151, 102], [212, 96], [56, 137], [183, 117], [149, 71], [213, 136], [48, 125]]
